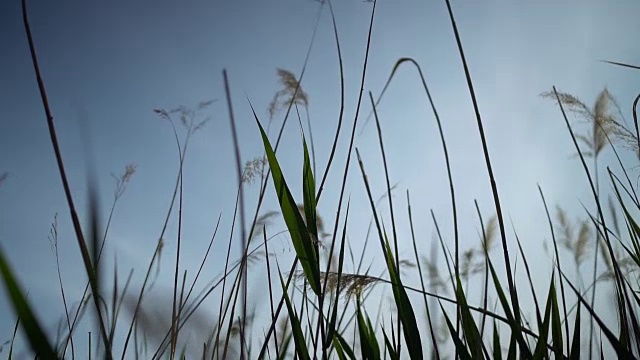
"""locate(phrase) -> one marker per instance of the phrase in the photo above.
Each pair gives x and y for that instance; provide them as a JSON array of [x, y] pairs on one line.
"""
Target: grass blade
[[461, 349], [541, 348], [405, 310], [497, 350], [37, 338], [298, 337], [295, 224], [575, 344]]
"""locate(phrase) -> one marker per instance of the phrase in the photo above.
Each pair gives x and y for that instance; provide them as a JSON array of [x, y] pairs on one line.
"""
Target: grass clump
[[316, 307]]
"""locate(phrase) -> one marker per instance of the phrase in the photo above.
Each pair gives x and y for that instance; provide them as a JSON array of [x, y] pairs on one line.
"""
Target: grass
[[318, 309]]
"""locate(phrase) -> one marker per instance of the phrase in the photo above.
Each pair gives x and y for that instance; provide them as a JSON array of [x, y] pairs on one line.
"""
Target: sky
[[107, 66]]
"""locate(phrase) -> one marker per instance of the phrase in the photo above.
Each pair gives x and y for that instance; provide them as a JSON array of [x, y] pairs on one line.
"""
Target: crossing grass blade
[[296, 329], [285, 346], [302, 242], [37, 339], [342, 348]]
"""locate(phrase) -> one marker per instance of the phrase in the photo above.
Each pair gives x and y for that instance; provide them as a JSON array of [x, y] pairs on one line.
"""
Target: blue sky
[[109, 65]]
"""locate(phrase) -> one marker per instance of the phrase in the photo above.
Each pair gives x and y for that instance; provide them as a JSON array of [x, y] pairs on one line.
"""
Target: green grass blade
[[36, 336], [298, 231], [338, 348], [405, 310], [368, 342], [343, 346], [308, 190], [296, 329]]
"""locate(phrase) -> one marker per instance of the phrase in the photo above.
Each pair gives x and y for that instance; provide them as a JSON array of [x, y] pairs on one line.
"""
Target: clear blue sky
[[110, 64]]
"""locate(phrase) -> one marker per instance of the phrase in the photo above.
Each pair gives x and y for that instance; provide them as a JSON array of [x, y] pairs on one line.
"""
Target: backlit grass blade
[[298, 231], [298, 336], [37, 339]]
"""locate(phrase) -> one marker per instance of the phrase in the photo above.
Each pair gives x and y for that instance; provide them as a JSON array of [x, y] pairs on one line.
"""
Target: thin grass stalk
[[527, 270], [54, 239], [485, 289], [174, 320], [494, 188], [186, 298], [618, 275], [621, 64], [226, 268], [596, 123], [241, 191], [273, 317], [56, 148], [204, 294], [447, 255], [353, 130], [263, 186], [182, 153], [620, 351], [435, 350], [393, 221], [342, 102], [117, 194], [235, 292]]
